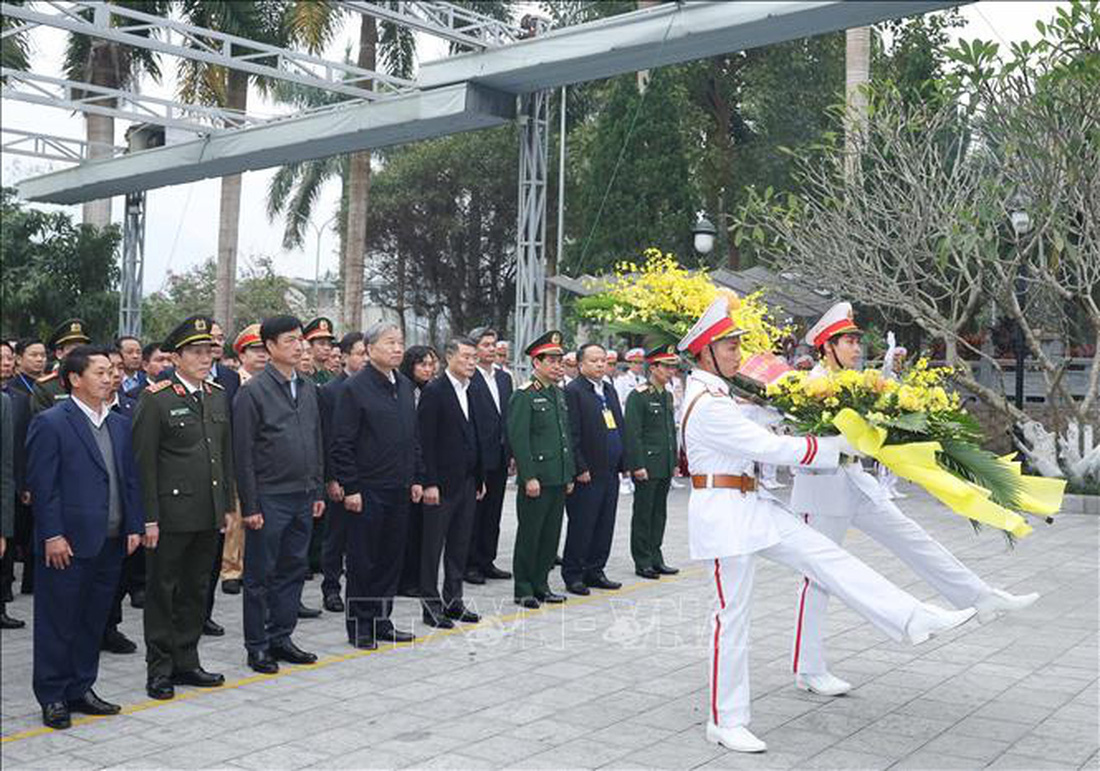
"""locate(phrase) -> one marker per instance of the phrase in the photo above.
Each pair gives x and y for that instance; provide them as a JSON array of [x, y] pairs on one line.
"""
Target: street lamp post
[[317, 231], [703, 233], [1021, 224]]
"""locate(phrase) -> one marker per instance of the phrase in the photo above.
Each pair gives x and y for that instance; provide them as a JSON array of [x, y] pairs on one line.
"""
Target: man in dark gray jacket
[[277, 451]]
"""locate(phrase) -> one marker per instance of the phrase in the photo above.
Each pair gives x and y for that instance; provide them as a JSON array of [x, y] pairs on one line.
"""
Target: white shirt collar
[[190, 388], [489, 372], [597, 384], [458, 384], [97, 418], [711, 380]]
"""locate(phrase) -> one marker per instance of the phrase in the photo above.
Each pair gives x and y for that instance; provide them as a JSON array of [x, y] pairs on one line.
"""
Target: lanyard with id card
[[608, 415]]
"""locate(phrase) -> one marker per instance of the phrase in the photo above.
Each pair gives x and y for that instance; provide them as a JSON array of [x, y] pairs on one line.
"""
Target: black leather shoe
[[56, 715], [463, 614], [263, 663], [115, 641], [290, 653], [334, 604], [650, 573], [577, 587], [496, 573], [160, 687], [474, 577], [212, 628], [7, 622], [601, 581], [231, 586], [665, 570], [394, 635], [552, 598], [364, 643], [90, 704], [199, 678], [438, 620], [528, 602], [304, 612], [137, 599]]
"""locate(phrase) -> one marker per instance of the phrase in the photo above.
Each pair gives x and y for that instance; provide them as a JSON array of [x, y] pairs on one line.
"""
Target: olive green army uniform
[[49, 391], [184, 452], [50, 388], [650, 444], [538, 430]]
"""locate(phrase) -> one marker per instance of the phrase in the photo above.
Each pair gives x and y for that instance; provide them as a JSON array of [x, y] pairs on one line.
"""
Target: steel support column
[[133, 265], [531, 223]]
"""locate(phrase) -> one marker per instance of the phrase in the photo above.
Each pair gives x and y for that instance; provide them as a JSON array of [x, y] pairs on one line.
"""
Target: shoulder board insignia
[[524, 387], [158, 386], [214, 384], [641, 387], [47, 378]]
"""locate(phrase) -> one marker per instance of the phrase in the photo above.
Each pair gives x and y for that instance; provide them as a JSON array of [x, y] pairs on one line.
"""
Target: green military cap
[[195, 329], [663, 354], [318, 329], [71, 331], [549, 343]]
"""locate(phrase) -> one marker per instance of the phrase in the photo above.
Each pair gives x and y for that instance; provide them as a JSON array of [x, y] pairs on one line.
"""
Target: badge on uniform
[[180, 390], [177, 411], [609, 418]]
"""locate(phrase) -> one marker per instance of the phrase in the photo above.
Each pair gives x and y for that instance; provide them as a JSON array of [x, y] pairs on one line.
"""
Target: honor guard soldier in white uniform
[[731, 520], [832, 500]]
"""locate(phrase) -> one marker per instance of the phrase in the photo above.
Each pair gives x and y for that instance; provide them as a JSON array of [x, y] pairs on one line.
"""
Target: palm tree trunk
[[358, 192], [99, 130], [857, 65], [229, 217]]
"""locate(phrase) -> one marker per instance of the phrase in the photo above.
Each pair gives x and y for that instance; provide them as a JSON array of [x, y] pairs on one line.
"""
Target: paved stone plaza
[[619, 679]]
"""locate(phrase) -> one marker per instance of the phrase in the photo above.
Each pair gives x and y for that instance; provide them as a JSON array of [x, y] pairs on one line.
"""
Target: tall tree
[[101, 62], [857, 76], [52, 269], [14, 46]]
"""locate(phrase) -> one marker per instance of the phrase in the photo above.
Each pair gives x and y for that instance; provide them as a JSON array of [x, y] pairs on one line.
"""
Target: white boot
[[929, 621], [823, 684], [736, 738], [997, 603]]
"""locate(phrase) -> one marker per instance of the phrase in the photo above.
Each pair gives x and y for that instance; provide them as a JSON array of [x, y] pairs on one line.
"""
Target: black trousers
[[334, 547], [591, 509], [376, 547], [20, 549], [447, 525], [175, 600], [70, 610], [409, 583], [132, 579], [215, 574], [486, 532]]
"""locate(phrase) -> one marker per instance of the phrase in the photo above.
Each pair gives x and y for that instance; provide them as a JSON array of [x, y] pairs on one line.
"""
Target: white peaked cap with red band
[[838, 320], [635, 354], [714, 324]]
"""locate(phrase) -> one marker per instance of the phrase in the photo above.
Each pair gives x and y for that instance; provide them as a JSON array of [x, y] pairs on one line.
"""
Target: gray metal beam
[[342, 129], [665, 34], [169, 36]]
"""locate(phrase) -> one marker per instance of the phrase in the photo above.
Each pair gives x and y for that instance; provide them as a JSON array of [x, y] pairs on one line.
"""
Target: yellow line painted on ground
[[357, 654]]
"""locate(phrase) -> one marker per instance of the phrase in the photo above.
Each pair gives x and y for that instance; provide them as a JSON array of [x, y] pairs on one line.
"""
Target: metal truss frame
[[176, 38], [133, 265], [46, 146], [534, 146], [444, 20], [90, 98]]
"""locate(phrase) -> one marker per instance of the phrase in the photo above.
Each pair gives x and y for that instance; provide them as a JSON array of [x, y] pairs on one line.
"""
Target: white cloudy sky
[[181, 221]]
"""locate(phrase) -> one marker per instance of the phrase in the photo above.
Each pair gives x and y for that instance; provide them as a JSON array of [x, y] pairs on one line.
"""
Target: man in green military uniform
[[68, 335], [184, 451], [320, 336], [651, 457], [538, 430]]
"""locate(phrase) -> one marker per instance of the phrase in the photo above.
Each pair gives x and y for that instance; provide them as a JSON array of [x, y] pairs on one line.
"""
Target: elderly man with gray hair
[[376, 460]]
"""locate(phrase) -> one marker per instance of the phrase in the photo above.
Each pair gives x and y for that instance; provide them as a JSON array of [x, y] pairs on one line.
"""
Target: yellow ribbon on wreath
[[916, 461]]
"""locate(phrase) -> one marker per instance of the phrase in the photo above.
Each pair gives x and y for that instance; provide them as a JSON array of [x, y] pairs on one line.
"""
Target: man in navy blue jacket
[[87, 516], [596, 421]]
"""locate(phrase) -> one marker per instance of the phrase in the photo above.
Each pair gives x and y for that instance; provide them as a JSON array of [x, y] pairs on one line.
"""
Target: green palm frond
[[14, 49]]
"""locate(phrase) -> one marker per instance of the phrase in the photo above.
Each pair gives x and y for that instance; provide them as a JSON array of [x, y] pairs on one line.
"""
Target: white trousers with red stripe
[[883, 521], [810, 553]]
